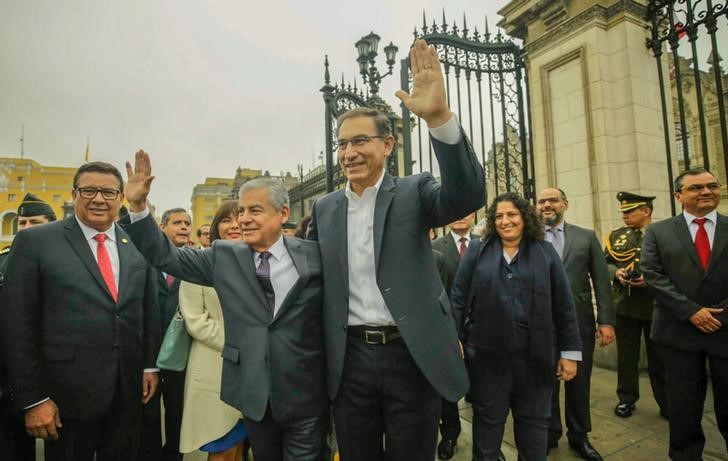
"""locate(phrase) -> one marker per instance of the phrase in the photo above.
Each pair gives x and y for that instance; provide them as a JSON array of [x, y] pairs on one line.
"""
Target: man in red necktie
[[79, 326], [177, 226], [452, 246], [684, 262]]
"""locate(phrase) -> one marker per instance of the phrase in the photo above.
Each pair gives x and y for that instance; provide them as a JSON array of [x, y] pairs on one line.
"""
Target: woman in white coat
[[208, 423]]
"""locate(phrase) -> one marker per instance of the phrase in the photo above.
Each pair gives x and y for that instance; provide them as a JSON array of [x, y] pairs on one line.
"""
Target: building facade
[[18, 176]]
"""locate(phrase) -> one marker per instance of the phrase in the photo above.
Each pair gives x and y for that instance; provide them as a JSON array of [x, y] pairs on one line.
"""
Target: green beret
[[33, 206], [629, 201]]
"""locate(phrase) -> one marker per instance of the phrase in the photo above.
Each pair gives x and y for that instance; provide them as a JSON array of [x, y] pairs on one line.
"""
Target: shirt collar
[[350, 194], [458, 237], [90, 232], [277, 250], [559, 226], [712, 217]]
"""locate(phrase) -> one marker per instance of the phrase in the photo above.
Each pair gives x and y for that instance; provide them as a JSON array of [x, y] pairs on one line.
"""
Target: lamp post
[[367, 49]]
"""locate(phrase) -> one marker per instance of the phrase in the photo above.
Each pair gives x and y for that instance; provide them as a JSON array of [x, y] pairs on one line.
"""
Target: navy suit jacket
[[406, 209]]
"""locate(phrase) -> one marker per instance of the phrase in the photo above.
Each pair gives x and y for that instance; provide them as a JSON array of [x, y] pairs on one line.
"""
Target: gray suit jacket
[[278, 359], [583, 260], [681, 287], [406, 208], [63, 335]]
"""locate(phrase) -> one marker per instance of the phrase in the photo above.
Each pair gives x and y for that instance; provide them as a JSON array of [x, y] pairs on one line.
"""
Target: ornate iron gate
[[486, 85], [496, 120], [695, 96]]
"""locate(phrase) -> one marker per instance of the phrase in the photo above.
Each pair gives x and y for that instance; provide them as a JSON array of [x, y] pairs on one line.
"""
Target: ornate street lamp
[[367, 49]]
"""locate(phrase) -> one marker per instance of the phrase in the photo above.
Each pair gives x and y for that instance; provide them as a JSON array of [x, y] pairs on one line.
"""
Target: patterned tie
[[169, 278], [463, 246], [556, 241], [104, 262], [702, 244], [262, 272]]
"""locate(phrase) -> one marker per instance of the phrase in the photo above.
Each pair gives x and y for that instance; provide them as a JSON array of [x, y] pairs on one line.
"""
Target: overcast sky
[[203, 86]]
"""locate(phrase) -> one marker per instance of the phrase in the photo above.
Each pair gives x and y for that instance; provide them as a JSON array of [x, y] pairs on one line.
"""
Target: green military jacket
[[622, 251]]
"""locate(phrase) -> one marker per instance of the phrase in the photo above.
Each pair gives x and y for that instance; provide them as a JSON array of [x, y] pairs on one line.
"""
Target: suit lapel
[[340, 221], [683, 235], [568, 240], [78, 242], [125, 251], [244, 255], [720, 238], [301, 264], [381, 207]]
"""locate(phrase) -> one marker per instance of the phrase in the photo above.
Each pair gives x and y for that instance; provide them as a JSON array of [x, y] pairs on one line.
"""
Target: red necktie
[[169, 278], [463, 246], [702, 244], [104, 262]]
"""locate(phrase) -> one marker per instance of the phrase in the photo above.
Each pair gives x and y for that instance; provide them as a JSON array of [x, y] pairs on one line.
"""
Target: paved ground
[[643, 437]]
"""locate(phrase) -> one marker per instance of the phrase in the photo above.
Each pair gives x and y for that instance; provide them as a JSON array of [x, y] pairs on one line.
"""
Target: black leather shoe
[[501, 457], [446, 449], [586, 450], [624, 409]]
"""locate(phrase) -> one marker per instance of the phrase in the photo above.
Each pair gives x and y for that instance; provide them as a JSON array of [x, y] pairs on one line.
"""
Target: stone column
[[595, 103]]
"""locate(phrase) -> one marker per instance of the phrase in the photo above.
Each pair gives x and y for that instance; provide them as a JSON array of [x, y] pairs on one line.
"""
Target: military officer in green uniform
[[634, 305], [15, 443]]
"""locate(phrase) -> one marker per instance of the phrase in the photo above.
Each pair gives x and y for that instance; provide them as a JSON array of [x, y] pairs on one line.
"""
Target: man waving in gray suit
[[391, 344], [270, 291]]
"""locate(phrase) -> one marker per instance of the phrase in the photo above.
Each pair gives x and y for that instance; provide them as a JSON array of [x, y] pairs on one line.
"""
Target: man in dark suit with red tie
[[176, 225], [684, 262], [452, 246], [79, 326]]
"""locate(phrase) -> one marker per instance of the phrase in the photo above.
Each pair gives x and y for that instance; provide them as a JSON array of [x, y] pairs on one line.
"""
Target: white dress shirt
[[283, 274], [89, 233], [710, 220], [457, 238], [366, 304]]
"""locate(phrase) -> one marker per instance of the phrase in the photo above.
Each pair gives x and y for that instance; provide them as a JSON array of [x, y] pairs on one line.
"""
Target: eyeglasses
[[90, 192], [713, 186], [356, 141]]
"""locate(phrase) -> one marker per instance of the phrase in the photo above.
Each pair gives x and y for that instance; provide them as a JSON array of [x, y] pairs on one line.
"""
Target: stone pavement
[[642, 437]]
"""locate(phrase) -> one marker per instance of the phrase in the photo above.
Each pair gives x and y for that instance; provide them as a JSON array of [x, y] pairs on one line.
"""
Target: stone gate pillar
[[595, 103]]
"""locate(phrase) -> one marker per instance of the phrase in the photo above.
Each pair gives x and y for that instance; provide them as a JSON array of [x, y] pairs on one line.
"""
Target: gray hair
[[276, 191]]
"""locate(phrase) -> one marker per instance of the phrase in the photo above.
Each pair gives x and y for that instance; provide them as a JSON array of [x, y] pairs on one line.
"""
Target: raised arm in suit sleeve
[[192, 265], [198, 323], [662, 288], [461, 292], [599, 273], [20, 332], [461, 189]]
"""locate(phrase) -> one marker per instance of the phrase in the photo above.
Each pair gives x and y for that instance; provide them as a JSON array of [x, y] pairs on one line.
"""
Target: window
[[56, 199], [11, 197]]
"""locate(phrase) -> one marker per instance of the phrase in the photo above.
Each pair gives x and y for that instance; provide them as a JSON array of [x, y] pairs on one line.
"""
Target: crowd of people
[[355, 323]]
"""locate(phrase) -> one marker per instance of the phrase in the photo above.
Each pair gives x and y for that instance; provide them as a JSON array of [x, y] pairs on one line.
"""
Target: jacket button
[[344, 327]]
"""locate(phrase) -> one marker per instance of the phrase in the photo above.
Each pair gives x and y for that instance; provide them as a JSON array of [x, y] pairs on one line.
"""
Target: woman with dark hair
[[209, 424], [302, 227], [513, 309]]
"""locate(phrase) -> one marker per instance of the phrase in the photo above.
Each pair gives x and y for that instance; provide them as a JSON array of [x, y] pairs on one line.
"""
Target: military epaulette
[[617, 238], [4, 251]]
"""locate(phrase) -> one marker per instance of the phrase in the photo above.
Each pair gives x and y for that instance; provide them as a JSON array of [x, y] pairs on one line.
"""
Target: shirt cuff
[[36, 403], [449, 133], [135, 216], [571, 355], [151, 370]]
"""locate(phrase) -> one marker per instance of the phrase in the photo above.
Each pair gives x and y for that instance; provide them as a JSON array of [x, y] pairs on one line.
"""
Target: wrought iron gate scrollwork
[[481, 72], [680, 25]]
